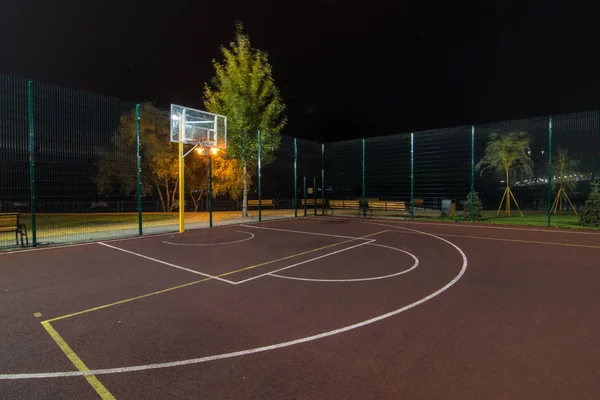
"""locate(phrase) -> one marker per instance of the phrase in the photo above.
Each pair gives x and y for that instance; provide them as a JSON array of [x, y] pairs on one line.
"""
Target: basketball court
[[310, 308]]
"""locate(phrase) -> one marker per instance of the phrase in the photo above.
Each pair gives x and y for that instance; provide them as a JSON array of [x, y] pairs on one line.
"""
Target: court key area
[[310, 308]]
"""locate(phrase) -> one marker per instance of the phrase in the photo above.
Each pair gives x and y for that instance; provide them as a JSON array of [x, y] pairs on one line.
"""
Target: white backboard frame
[[200, 128]]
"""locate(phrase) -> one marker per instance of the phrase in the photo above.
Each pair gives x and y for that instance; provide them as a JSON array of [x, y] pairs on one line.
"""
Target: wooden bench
[[311, 202], [398, 206], [263, 203], [9, 222], [418, 202], [344, 205]]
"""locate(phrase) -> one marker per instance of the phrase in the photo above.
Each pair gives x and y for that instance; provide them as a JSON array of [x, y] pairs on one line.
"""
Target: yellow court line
[[127, 300], [299, 254], [78, 363], [589, 246], [203, 280]]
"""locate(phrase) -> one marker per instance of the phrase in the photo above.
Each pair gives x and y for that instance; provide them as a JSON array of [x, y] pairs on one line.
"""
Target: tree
[[227, 177], [160, 163], [565, 178], [591, 212], [117, 171], [244, 90], [196, 178], [477, 208], [506, 152]]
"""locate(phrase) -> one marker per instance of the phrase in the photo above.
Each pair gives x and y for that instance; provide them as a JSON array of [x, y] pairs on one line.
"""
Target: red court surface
[[311, 308]]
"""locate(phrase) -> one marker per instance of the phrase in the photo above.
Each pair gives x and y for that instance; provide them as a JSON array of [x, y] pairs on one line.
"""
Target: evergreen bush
[[591, 212], [477, 208]]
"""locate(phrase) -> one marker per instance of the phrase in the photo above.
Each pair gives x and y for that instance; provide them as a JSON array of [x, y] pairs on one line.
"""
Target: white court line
[[66, 246], [471, 226], [167, 263], [306, 261], [213, 244], [305, 232], [258, 349], [374, 278], [145, 236], [7, 252]]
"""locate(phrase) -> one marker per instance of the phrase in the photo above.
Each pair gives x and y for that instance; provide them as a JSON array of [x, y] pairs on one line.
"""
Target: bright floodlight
[[175, 117]]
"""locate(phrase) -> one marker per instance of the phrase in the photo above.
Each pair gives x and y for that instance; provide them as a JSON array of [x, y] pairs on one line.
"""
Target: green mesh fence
[[69, 169], [429, 174], [343, 169], [387, 166], [69, 172], [491, 185], [71, 130], [577, 136], [14, 161], [438, 177], [278, 176]]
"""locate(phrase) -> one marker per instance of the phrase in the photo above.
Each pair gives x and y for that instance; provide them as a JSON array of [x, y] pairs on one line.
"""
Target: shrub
[[477, 208], [591, 211]]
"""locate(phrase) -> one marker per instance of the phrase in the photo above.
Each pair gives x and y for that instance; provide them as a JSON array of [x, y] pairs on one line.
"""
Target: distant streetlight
[[536, 162]]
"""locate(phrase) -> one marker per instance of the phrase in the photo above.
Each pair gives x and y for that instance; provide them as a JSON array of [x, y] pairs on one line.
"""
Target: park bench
[[396, 206], [263, 203], [333, 205], [311, 202], [9, 223], [418, 202]]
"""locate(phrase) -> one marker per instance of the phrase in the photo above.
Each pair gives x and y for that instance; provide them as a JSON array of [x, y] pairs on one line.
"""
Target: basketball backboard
[[190, 126]]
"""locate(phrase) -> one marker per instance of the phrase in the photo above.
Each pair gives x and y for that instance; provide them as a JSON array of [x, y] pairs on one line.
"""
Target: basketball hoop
[[207, 132], [198, 128]]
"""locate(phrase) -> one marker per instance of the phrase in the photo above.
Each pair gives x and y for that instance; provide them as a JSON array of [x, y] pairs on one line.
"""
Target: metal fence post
[[315, 194], [210, 195], [412, 176], [295, 179], [364, 188], [32, 189], [259, 179], [472, 173], [305, 196], [139, 168], [322, 179], [549, 170]]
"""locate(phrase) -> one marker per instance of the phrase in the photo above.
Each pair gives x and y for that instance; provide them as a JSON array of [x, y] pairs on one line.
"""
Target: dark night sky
[[344, 70]]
